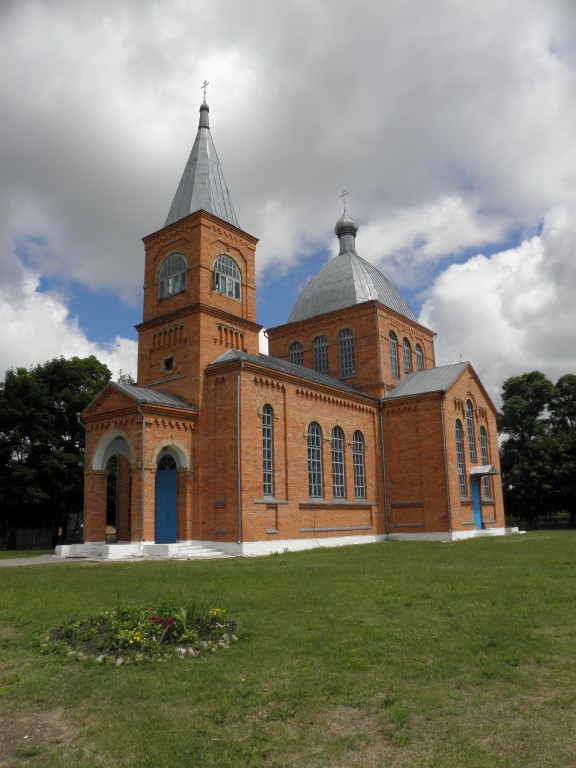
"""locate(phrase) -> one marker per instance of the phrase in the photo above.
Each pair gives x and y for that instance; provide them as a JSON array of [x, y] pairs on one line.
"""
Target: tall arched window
[[459, 432], [320, 350], [394, 368], [358, 461], [227, 277], [470, 428], [315, 483], [419, 358], [338, 482], [296, 355], [407, 355], [346, 353], [485, 460], [172, 276], [267, 450]]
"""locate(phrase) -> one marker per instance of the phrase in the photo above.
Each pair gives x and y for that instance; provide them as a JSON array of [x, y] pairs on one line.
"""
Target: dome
[[346, 281]]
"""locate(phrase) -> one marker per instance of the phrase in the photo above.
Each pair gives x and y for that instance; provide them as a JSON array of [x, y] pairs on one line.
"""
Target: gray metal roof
[[202, 185], [424, 382], [152, 397], [346, 281], [282, 366]]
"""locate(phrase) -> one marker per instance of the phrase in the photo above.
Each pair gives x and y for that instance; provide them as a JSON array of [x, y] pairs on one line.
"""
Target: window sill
[[338, 528], [336, 503], [270, 500]]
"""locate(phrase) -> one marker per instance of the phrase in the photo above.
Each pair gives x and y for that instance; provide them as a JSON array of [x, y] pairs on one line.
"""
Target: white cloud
[[513, 311], [451, 124], [38, 328]]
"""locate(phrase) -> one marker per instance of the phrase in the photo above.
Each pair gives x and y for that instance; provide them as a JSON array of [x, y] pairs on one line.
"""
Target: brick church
[[346, 432]]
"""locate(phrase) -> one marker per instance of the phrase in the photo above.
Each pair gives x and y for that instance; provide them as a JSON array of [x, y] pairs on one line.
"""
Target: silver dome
[[346, 281]]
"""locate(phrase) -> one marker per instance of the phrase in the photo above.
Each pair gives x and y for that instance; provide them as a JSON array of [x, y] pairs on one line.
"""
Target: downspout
[[446, 464], [238, 455], [143, 485], [380, 409]]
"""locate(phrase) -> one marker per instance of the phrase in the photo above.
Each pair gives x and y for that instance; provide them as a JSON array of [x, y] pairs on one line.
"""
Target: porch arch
[[113, 442]]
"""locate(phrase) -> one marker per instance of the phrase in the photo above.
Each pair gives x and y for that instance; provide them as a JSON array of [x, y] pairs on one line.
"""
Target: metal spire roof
[[346, 281], [202, 185]]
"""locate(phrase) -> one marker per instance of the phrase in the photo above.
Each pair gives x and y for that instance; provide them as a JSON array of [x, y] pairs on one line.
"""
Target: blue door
[[165, 517], [475, 481]]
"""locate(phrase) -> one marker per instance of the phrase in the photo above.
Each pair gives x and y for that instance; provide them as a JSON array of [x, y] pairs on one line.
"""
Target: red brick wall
[[468, 388], [415, 473], [370, 323], [294, 407]]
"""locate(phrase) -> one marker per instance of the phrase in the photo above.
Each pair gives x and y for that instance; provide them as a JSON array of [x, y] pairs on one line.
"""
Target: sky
[[452, 126]]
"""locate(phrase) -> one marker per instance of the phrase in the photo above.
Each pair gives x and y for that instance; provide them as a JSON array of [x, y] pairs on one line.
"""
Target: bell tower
[[199, 280]]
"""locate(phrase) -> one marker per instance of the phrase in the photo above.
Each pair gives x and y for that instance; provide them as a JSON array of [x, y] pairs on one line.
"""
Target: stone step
[[197, 552]]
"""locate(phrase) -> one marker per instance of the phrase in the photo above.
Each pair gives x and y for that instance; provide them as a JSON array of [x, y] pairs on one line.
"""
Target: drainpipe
[[142, 491], [446, 464], [380, 409], [238, 455]]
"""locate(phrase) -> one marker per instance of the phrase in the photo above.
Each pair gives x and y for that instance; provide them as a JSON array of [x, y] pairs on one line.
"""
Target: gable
[[108, 400]]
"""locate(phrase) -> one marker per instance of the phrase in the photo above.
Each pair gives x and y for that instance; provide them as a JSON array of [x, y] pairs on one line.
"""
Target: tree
[[538, 454], [563, 430], [42, 440]]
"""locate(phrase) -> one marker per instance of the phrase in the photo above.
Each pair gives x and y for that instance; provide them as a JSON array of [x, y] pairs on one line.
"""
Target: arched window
[[267, 450], [394, 368], [166, 462], [419, 358], [459, 432], [315, 460], [338, 482], [407, 355], [227, 277], [172, 276], [346, 353], [320, 350], [470, 427], [485, 460], [296, 356], [358, 461]]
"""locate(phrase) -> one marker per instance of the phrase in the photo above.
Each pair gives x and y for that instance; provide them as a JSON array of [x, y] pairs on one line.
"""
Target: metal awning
[[485, 469]]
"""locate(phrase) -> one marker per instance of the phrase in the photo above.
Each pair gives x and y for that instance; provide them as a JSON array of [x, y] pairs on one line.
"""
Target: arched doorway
[[165, 500]]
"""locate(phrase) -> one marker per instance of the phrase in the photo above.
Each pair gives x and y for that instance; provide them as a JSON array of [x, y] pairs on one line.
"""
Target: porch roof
[[152, 397]]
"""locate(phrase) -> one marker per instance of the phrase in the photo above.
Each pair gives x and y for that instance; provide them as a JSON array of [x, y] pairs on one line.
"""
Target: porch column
[[95, 497], [143, 510], [124, 481], [184, 523]]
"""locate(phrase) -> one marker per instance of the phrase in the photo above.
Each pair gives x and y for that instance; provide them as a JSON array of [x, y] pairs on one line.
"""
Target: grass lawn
[[12, 554], [457, 655]]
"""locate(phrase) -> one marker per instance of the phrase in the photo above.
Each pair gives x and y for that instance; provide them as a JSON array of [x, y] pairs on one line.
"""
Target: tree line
[[537, 424], [42, 444]]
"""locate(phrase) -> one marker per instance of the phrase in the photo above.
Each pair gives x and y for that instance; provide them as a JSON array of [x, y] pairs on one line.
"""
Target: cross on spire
[[203, 88], [343, 196]]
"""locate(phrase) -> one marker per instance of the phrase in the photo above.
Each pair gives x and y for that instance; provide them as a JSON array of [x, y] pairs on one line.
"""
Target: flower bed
[[142, 632]]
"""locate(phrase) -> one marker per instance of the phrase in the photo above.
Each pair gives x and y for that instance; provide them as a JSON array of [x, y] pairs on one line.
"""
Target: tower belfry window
[[172, 276], [227, 277]]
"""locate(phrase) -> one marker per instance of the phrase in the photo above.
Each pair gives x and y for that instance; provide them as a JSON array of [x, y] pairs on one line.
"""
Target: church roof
[[152, 397], [202, 185], [346, 281], [283, 366], [425, 382]]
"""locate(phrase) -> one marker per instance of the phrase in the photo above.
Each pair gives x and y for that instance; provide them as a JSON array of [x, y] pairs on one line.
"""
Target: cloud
[[40, 328], [451, 124], [513, 311]]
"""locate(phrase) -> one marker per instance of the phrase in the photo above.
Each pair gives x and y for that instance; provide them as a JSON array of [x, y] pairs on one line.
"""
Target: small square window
[[168, 364]]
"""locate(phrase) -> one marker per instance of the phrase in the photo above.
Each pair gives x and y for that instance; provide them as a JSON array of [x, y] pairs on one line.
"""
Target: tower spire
[[202, 185]]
